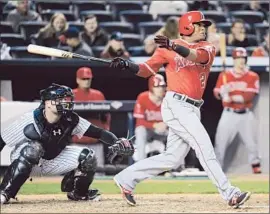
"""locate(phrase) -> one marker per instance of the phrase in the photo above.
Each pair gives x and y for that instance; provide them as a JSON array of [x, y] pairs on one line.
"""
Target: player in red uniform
[[237, 89], [151, 132], [187, 64], [84, 93]]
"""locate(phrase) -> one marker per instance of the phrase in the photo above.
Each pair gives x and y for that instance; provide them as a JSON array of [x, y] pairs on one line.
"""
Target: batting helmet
[[239, 53], [57, 92], [155, 81], [186, 22]]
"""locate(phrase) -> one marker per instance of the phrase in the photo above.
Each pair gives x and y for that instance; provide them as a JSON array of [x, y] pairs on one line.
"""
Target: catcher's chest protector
[[55, 137]]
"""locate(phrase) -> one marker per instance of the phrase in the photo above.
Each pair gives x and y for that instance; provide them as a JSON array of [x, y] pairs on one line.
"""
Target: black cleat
[[93, 195], [239, 199], [127, 195]]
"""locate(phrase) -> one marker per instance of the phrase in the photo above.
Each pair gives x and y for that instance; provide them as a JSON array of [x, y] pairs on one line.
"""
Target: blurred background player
[[151, 132], [237, 88], [84, 93]]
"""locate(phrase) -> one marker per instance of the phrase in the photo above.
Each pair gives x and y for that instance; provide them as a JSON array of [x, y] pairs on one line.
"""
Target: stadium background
[[24, 75]]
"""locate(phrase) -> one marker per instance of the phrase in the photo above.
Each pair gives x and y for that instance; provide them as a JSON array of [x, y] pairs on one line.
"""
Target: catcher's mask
[[61, 96]]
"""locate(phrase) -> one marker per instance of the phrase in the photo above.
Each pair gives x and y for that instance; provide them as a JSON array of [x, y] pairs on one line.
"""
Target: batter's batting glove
[[122, 147], [119, 63], [164, 42]]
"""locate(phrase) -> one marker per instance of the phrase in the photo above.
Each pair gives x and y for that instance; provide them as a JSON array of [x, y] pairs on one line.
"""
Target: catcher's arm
[[103, 135], [119, 147]]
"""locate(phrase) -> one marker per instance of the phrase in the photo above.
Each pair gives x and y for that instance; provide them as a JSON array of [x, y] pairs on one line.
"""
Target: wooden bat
[[223, 55], [42, 50]]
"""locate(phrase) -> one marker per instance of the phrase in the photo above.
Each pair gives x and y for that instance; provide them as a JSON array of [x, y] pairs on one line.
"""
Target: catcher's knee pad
[[87, 161], [32, 152]]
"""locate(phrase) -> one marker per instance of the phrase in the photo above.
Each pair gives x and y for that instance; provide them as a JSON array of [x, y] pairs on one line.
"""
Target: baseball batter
[[149, 124], [187, 64], [237, 89], [41, 139]]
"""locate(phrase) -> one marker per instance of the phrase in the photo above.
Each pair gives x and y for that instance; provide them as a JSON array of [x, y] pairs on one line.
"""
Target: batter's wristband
[[183, 51]]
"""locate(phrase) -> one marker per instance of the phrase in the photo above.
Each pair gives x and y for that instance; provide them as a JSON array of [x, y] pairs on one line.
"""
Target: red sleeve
[[220, 82], [152, 66], [253, 83], [205, 54], [139, 109], [139, 113]]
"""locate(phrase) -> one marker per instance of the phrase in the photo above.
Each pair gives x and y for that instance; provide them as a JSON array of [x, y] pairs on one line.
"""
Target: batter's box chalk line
[[255, 206]]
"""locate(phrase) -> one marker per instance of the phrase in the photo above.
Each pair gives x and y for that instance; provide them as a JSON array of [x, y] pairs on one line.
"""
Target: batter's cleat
[[256, 168], [3, 198], [239, 199], [92, 195], [127, 195]]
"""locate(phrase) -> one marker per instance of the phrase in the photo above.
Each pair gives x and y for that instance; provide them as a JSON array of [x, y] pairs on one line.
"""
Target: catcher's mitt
[[122, 147]]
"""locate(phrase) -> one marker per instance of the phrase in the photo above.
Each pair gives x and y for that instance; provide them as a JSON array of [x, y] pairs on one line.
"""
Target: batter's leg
[[248, 134], [184, 120], [226, 131], [176, 151], [141, 134]]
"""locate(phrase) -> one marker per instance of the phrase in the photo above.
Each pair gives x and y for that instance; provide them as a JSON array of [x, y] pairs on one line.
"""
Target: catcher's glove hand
[[122, 147], [164, 42], [119, 63]]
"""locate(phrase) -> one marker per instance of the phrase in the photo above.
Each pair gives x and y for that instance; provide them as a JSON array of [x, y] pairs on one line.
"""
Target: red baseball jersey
[[146, 112], [183, 76], [91, 95], [248, 82]]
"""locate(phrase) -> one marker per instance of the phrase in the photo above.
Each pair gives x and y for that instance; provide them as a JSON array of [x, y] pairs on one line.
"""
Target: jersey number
[[203, 79]]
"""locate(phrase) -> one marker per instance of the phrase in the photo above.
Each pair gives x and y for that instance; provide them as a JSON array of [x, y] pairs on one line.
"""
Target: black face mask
[[114, 53], [64, 107]]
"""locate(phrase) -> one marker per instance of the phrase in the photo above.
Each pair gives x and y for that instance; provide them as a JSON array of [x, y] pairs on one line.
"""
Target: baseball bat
[[42, 50], [223, 55]]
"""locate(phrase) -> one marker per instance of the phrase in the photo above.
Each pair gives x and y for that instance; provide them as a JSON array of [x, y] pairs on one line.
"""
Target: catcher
[[41, 139]]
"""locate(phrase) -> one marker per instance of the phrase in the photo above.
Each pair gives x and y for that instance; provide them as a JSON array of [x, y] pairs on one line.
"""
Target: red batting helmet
[[155, 81], [239, 53], [186, 22]]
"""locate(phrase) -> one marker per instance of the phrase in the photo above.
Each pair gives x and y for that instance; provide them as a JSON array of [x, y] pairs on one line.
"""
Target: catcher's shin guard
[[77, 182], [20, 169]]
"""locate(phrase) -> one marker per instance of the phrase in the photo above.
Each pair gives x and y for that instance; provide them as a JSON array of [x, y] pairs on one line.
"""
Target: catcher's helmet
[[155, 81], [57, 93], [186, 22]]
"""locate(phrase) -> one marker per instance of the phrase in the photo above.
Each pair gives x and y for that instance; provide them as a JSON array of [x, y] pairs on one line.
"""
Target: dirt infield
[[147, 203]]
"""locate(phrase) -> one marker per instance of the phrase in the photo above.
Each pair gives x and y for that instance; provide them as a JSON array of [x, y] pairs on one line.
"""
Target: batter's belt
[[185, 98], [238, 111]]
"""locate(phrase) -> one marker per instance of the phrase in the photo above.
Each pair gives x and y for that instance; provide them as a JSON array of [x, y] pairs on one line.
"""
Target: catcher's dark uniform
[[42, 148]]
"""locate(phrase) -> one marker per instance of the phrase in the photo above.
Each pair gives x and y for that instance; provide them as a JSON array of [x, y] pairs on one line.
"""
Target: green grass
[[157, 186]]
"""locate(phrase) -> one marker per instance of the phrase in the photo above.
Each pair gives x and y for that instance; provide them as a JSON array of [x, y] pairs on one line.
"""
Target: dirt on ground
[[146, 203]]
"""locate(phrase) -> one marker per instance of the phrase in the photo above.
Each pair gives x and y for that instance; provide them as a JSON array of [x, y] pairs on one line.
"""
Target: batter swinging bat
[[42, 50]]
